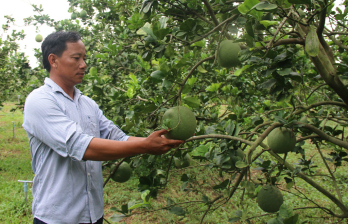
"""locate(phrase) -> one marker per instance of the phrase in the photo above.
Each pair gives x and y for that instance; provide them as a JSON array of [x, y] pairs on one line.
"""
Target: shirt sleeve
[[44, 119], [108, 130]]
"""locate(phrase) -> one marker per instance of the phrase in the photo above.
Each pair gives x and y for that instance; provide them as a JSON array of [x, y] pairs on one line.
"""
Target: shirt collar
[[57, 88]]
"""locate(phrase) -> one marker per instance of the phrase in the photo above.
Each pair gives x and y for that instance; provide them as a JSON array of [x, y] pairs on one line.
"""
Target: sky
[[20, 9]]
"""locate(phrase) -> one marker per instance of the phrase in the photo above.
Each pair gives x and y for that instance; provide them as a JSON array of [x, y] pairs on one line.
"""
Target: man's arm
[[105, 149]]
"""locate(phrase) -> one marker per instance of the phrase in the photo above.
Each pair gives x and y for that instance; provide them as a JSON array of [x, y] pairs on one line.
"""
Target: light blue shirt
[[66, 189]]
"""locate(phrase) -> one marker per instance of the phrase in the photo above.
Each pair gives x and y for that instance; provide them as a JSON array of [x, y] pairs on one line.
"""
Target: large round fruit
[[38, 38], [182, 122], [83, 14], [112, 62], [73, 16], [281, 140], [269, 198], [185, 162], [228, 54], [123, 173]]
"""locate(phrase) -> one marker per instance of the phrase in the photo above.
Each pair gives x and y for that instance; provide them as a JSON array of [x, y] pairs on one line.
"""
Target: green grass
[[15, 165]]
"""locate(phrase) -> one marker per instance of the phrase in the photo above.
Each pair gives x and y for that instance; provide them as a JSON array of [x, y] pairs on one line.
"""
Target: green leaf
[[201, 69], [213, 87], [291, 220], [200, 151], [117, 217], [93, 71], [177, 211], [241, 164], [308, 2], [284, 72], [265, 6], [158, 75], [250, 187], [268, 23], [249, 28], [222, 185], [149, 32], [274, 221], [205, 198], [100, 56], [192, 101], [163, 21], [239, 71], [161, 33], [130, 92], [200, 43], [284, 211]]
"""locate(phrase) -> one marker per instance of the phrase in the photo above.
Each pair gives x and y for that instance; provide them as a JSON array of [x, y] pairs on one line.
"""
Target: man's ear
[[52, 59]]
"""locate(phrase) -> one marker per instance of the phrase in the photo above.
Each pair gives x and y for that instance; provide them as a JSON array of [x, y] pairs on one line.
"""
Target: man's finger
[[162, 132], [175, 142]]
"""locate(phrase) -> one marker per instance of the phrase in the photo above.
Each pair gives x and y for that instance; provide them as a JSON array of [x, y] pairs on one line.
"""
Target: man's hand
[[157, 144]]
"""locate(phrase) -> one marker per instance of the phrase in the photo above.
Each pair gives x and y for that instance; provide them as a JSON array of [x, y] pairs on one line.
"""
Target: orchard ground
[[15, 165]]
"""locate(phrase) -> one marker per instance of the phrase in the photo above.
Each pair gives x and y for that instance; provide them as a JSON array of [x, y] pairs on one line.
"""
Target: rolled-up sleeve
[[45, 119]]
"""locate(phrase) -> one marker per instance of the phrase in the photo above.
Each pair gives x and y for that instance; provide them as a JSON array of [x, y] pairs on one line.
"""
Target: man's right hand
[[157, 144]]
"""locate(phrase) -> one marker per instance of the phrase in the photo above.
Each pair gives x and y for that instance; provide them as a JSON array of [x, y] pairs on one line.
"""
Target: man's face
[[71, 66]]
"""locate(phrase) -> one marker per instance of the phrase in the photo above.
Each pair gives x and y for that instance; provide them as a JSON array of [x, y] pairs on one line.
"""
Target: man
[[69, 136]]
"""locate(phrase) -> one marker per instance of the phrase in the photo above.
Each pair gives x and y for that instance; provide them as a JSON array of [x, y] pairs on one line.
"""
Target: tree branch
[[190, 73], [211, 12]]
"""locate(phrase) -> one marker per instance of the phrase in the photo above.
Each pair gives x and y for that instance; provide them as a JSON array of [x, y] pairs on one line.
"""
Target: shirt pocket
[[92, 125]]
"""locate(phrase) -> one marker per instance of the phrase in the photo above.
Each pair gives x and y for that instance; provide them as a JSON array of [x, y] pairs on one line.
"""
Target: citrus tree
[[247, 69], [14, 67]]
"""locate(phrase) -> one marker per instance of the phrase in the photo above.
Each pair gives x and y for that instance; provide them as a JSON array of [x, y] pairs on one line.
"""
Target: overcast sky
[[20, 9]]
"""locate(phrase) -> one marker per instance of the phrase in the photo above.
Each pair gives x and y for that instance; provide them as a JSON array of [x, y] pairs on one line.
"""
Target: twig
[[269, 45], [190, 73], [324, 84], [209, 206], [328, 168]]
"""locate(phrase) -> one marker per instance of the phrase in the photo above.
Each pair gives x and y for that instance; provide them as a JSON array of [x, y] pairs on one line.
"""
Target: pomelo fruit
[[182, 163], [112, 62], [38, 38], [123, 173], [281, 140], [228, 54], [73, 16], [83, 14], [181, 121], [269, 198]]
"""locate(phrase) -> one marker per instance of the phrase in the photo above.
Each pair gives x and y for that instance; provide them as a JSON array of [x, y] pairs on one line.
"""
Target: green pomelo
[[123, 173], [83, 14], [185, 162], [228, 54], [38, 38], [73, 16], [112, 62], [269, 198], [281, 140], [182, 123]]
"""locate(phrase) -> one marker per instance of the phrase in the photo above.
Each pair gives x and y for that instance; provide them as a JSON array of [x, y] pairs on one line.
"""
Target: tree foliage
[[146, 56]]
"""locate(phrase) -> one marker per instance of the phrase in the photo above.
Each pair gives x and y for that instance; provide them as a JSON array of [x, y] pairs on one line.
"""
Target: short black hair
[[55, 43]]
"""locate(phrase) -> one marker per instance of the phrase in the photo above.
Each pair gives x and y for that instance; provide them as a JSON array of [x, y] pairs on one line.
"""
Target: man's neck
[[68, 89]]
